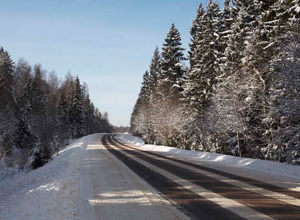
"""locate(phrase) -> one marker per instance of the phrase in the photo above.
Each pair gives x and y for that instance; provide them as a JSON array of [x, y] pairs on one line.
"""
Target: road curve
[[201, 192]]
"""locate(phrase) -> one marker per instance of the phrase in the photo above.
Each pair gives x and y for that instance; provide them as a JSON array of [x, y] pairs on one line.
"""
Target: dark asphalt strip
[[195, 206], [263, 204], [250, 181]]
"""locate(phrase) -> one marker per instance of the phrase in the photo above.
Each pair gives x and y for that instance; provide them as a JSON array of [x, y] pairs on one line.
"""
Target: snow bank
[[259, 165], [49, 192]]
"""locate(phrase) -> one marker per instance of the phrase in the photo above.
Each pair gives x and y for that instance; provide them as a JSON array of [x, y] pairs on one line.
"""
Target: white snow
[[55, 190], [49, 192], [279, 170]]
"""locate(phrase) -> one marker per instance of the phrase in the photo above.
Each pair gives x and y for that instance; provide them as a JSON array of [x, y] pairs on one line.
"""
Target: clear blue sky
[[107, 43]]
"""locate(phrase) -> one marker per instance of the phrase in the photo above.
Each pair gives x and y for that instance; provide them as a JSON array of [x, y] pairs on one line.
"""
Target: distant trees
[[39, 113], [121, 129], [240, 94]]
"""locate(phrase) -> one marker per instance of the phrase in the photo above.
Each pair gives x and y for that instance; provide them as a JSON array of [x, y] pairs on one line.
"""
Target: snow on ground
[[111, 190], [52, 191], [278, 171], [49, 192]]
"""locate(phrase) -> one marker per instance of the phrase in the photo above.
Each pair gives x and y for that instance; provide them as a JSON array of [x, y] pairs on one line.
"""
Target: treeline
[[241, 92], [121, 129], [39, 113]]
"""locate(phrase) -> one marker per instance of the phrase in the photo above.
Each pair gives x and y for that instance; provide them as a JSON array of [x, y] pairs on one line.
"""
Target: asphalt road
[[201, 192]]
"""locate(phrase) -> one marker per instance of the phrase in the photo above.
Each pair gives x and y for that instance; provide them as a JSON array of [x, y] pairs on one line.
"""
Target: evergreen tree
[[172, 55], [89, 115], [25, 137], [196, 36], [140, 116], [7, 103], [38, 114], [155, 71], [294, 11], [226, 20], [6, 80], [246, 18], [77, 113], [145, 90], [202, 75], [64, 120]]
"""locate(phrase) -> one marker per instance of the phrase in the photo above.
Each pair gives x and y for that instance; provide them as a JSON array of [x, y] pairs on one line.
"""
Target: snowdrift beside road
[[285, 170], [49, 192]]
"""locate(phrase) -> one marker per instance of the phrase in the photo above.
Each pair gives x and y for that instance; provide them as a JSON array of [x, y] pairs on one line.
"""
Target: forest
[[40, 113], [239, 95]]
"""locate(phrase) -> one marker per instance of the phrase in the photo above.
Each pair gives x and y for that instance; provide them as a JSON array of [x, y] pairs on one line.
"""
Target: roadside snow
[[49, 192], [270, 167]]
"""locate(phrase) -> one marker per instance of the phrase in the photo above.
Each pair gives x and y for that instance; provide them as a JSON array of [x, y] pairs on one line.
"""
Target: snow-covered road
[[110, 190], [117, 177], [206, 191]]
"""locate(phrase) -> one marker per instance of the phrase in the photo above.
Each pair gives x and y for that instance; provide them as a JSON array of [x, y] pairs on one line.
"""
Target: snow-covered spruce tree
[[189, 134], [239, 65], [89, 117], [6, 79], [77, 113], [166, 99], [154, 70], [294, 12], [283, 120], [141, 123], [38, 117], [23, 92], [52, 113], [226, 19], [64, 119], [25, 137], [238, 106], [245, 19], [171, 66], [155, 75], [7, 103], [286, 14], [263, 43], [202, 75], [196, 37]]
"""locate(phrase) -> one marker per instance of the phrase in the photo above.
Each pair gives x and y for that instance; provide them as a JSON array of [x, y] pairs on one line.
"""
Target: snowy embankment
[[49, 192], [221, 160]]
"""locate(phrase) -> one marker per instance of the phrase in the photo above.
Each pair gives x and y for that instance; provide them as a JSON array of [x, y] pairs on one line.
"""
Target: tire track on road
[[266, 205], [192, 204], [249, 181]]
